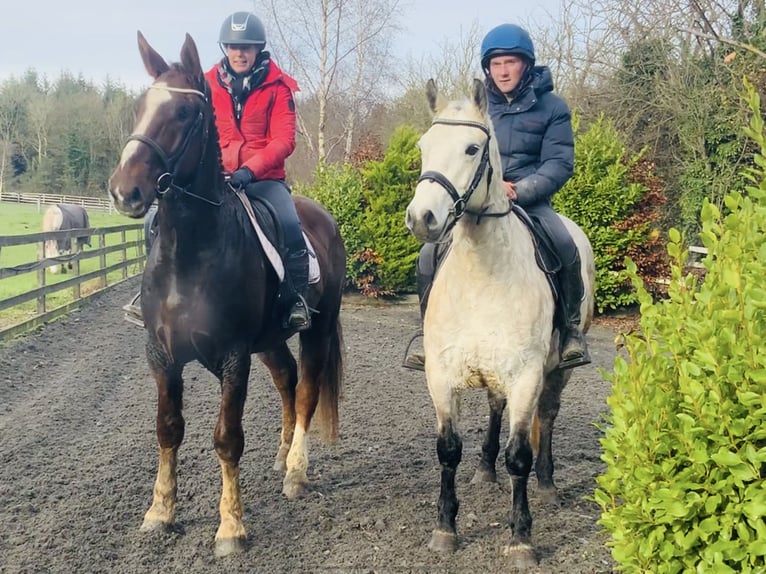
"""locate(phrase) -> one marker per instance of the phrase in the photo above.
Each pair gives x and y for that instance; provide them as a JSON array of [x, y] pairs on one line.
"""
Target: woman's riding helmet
[[242, 28], [507, 40]]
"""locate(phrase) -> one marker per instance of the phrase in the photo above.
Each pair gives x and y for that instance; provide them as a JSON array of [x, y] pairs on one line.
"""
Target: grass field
[[21, 219]]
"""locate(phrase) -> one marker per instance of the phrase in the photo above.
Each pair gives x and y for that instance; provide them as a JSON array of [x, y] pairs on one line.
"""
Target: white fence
[[44, 199]]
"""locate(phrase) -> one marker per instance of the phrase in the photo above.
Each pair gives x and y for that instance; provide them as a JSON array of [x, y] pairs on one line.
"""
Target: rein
[[459, 206], [166, 181]]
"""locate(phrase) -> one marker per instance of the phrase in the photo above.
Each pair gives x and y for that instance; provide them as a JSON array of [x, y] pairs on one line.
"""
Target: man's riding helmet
[[242, 28], [507, 40]]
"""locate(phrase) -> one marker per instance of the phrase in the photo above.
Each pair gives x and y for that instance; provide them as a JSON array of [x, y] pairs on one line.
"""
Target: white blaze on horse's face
[[454, 151], [131, 186], [154, 101]]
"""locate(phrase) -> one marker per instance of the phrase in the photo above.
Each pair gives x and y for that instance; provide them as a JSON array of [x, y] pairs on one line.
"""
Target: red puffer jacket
[[266, 134]]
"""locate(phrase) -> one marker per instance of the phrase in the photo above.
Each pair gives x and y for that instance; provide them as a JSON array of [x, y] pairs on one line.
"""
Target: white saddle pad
[[271, 252]]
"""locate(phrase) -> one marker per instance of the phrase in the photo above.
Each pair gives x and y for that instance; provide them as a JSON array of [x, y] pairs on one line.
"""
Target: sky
[[97, 39]]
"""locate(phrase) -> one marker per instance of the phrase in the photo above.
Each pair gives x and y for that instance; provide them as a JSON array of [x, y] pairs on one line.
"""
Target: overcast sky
[[97, 39]]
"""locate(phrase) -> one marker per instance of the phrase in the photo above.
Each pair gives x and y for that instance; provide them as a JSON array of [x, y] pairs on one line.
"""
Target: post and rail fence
[[115, 263], [42, 199]]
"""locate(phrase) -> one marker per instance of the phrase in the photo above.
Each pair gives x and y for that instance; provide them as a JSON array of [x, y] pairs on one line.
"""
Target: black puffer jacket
[[534, 134]]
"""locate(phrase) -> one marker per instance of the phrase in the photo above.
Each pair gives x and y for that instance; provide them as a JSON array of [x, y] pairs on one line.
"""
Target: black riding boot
[[424, 274], [574, 349], [296, 284]]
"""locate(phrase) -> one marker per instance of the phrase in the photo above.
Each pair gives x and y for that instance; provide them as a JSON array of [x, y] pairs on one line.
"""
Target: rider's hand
[[510, 190], [241, 177]]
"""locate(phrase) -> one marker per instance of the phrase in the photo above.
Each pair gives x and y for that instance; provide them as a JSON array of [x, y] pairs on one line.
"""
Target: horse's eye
[[472, 149]]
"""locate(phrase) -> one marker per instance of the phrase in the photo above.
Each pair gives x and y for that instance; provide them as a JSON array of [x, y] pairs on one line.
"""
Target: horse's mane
[[193, 81]]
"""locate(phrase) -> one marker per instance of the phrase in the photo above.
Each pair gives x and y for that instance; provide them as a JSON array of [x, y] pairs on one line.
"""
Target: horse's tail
[[331, 385]]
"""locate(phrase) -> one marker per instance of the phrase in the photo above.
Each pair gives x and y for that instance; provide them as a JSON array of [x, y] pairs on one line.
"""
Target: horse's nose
[[128, 201], [408, 219], [423, 223]]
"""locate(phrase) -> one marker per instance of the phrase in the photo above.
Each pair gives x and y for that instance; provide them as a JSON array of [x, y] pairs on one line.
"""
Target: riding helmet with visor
[[507, 40], [242, 28]]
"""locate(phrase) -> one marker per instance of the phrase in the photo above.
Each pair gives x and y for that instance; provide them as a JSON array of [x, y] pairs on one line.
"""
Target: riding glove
[[241, 177]]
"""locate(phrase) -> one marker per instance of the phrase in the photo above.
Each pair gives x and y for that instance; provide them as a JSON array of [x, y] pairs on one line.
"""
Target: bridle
[[166, 181], [460, 201]]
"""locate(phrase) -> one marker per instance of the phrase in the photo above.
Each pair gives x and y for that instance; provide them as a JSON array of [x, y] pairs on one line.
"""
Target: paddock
[[77, 410]]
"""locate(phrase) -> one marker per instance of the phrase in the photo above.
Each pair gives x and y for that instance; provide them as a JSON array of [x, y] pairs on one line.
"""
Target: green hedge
[[685, 442]]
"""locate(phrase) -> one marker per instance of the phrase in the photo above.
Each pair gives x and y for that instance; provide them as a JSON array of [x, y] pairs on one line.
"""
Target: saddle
[[265, 222], [547, 259]]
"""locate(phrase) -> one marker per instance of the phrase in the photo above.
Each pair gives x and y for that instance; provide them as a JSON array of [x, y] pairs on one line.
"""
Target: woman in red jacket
[[255, 117]]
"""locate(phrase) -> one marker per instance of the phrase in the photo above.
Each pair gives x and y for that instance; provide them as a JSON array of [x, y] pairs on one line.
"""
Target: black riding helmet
[[242, 28]]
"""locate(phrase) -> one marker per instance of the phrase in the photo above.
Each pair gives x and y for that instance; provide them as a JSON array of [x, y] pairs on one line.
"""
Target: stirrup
[[415, 361], [576, 358], [299, 317], [133, 311], [576, 361]]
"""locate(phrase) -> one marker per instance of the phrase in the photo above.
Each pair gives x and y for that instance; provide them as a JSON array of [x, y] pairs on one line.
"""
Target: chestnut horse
[[209, 293], [490, 316]]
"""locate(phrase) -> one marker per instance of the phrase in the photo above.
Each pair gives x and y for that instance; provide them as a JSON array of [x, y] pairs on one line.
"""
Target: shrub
[[389, 186], [615, 197], [685, 445], [340, 190]]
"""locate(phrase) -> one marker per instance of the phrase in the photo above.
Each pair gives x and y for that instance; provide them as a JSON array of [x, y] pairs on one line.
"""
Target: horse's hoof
[[228, 546], [153, 525], [442, 541], [521, 557], [484, 475], [280, 462], [294, 487], [549, 496]]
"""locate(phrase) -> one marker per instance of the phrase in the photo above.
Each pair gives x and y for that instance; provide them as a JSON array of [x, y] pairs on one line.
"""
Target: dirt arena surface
[[78, 459]]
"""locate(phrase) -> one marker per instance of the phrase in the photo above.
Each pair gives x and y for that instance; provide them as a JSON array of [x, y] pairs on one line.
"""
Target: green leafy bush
[[389, 186], [684, 488], [340, 190], [609, 198]]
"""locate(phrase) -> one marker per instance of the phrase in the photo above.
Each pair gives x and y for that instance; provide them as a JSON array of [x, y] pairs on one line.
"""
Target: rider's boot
[[298, 315], [574, 348]]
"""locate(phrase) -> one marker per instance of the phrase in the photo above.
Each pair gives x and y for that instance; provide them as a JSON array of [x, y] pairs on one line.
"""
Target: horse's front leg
[[548, 409], [518, 462], [229, 440], [449, 448], [170, 433], [284, 373], [486, 471]]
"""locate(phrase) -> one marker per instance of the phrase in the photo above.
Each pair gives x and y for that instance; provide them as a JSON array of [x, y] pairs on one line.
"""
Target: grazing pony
[[209, 292], [490, 316], [61, 217]]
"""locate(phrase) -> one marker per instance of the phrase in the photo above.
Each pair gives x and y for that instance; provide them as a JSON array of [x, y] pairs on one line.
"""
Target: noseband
[[460, 201], [166, 181]]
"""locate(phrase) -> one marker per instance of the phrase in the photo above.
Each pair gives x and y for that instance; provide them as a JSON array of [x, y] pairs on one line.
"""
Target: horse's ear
[[436, 101], [190, 57], [480, 95], [153, 62]]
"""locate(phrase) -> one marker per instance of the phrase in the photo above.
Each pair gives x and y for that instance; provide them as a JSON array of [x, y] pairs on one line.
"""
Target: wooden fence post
[[41, 278], [102, 258]]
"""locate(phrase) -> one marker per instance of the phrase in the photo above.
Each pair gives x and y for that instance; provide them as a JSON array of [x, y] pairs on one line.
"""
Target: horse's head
[[170, 131], [455, 154]]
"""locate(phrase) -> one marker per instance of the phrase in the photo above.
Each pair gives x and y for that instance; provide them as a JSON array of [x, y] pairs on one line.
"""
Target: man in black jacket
[[533, 130]]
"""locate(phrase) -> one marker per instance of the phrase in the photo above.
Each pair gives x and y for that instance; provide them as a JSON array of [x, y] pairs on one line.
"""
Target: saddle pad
[[271, 252]]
